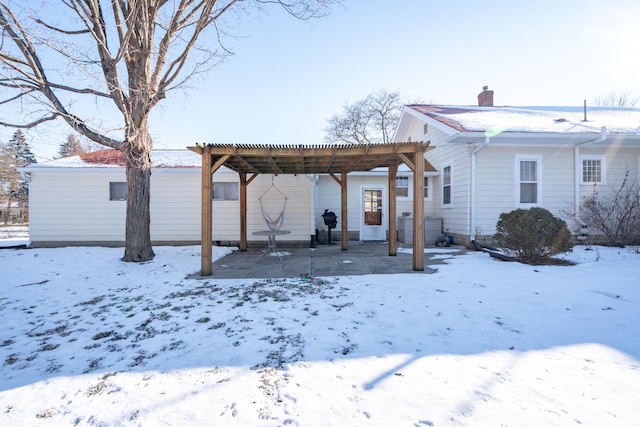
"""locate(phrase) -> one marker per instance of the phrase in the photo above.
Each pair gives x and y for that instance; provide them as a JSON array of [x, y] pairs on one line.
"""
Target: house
[[493, 159], [479, 161], [81, 201]]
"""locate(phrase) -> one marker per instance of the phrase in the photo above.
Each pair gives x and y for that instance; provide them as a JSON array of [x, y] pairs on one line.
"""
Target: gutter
[[577, 170], [474, 155]]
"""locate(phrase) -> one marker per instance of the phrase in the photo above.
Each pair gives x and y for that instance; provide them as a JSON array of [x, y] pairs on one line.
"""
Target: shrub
[[615, 212], [532, 235]]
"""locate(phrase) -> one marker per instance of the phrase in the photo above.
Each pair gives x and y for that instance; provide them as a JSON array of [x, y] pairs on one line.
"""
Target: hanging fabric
[[273, 223]]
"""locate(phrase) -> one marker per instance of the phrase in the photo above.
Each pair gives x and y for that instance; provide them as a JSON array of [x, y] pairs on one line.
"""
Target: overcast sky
[[288, 76]]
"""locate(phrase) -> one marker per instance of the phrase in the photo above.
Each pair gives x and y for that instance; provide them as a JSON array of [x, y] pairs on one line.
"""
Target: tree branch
[[60, 30]]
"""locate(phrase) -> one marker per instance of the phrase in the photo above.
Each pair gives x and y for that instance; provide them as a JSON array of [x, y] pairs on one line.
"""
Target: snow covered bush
[[532, 235]]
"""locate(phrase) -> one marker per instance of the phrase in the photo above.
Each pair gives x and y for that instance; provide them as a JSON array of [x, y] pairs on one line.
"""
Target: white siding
[[455, 219], [497, 186], [618, 161], [330, 198], [297, 188], [73, 206]]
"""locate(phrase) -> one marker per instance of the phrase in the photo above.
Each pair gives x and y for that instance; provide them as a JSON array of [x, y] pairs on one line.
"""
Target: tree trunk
[[138, 234]]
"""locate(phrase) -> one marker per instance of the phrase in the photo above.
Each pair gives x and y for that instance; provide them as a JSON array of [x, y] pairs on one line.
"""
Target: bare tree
[[616, 99], [615, 211], [127, 54], [371, 119]]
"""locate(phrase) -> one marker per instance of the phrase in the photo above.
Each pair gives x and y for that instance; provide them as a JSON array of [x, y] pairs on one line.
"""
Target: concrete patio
[[326, 260]]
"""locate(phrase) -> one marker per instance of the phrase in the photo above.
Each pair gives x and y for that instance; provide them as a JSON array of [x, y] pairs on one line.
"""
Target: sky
[[479, 342], [287, 76]]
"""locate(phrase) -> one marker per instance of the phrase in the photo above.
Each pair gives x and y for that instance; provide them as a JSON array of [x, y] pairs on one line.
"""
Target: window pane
[[446, 186], [426, 187], [446, 195], [117, 191], [225, 190], [402, 186], [591, 170], [528, 192], [446, 178], [528, 171]]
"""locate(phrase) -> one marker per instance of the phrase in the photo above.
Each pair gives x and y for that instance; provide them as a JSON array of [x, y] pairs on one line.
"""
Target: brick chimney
[[485, 98]]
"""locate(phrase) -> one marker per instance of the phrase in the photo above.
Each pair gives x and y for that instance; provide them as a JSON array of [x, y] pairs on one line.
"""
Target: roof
[[270, 158], [311, 159], [110, 158], [534, 119]]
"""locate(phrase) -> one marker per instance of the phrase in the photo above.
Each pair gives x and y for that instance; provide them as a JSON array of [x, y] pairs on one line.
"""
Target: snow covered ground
[[89, 340]]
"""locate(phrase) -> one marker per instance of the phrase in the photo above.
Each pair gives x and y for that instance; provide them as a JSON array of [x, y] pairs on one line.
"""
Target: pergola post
[[418, 210], [344, 233], [243, 211], [393, 233], [244, 182], [206, 226]]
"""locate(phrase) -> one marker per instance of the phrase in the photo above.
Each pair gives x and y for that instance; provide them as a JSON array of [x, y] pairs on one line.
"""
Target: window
[[446, 185], [528, 179], [592, 169], [402, 186], [225, 190], [117, 191], [426, 187]]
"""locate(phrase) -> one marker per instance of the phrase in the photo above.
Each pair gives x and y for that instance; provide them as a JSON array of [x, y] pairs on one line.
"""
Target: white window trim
[[445, 165], [528, 157], [409, 196], [603, 166], [430, 187]]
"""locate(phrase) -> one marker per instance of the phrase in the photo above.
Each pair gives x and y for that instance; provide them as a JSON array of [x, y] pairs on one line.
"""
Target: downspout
[[577, 170], [315, 201], [474, 154]]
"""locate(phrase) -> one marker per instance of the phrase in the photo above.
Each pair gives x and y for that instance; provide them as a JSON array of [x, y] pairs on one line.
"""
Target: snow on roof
[[115, 159], [535, 119]]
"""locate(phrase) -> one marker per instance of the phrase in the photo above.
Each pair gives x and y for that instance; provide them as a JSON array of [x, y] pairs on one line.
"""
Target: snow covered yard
[[89, 340]]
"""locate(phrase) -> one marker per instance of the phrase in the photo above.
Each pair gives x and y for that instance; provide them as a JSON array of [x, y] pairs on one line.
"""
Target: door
[[371, 227]]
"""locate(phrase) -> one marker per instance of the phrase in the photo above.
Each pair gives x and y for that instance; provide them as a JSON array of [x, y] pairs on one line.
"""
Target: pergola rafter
[[337, 160]]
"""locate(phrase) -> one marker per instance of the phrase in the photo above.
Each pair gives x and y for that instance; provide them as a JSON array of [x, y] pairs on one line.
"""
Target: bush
[[533, 235], [615, 212]]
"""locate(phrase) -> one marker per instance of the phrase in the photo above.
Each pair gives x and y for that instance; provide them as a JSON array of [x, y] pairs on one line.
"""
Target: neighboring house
[[492, 160], [81, 201], [15, 214]]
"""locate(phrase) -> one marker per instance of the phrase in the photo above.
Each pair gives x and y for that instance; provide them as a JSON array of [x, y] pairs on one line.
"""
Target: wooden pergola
[[250, 160]]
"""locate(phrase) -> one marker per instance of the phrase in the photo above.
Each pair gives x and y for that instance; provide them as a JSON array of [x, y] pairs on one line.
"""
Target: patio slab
[[326, 260]]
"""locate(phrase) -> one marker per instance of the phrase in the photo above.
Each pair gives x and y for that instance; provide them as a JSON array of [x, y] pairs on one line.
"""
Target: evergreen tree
[[72, 147], [13, 155]]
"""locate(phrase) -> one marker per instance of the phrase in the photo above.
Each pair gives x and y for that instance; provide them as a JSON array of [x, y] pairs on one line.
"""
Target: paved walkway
[[326, 260]]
